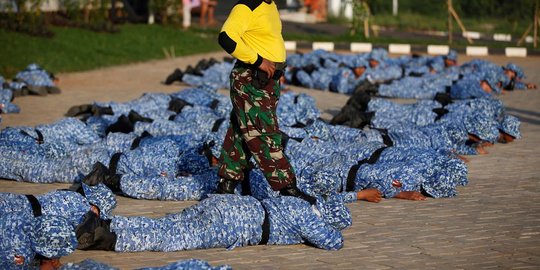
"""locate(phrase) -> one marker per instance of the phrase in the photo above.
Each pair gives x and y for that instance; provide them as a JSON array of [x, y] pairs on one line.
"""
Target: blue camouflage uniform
[[191, 264], [425, 87], [26, 236], [68, 204], [386, 71], [510, 125], [216, 76], [520, 75], [389, 113], [25, 158], [296, 109], [87, 264], [148, 102], [6, 96], [170, 187], [35, 78], [416, 168], [231, 221]]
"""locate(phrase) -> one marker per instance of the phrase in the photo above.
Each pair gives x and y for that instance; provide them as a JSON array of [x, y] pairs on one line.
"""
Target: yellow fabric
[[256, 32]]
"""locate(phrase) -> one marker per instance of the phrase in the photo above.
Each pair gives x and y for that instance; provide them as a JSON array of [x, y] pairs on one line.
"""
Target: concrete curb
[[361, 47]]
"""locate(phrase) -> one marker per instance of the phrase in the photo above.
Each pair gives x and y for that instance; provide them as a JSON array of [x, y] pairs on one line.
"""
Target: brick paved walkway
[[494, 222]]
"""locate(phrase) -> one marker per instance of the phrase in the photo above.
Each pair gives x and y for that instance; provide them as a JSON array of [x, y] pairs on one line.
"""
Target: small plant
[[165, 9], [25, 16]]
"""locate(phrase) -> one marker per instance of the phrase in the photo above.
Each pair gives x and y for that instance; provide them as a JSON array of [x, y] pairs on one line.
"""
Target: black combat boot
[[176, 76], [98, 174], [94, 233], [226, 186], [292, 190]]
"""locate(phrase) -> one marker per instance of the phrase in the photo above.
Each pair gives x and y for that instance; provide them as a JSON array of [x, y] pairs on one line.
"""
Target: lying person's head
[[513, 71], [376, 56], [358, 71], [486, 87], [101, 199], [450, 59], [49, 238], [481, 127], [509, 129]]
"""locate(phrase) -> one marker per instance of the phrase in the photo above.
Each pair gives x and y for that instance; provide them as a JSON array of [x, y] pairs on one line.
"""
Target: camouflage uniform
[[6, 96], [37, 79], [229, 221], [68, 204], [216, 76], [26, 236], [254, 130], [191, 264], [169, 187]]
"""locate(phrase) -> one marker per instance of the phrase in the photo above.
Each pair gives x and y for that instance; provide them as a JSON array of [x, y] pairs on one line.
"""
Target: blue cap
[[102, 197], [482, 126], [354, 61], [53, 236], [378, 54], [32, 67], [452, 55], [334, 212], [516, 69], [360, 62], [510, 125], [443, 185]]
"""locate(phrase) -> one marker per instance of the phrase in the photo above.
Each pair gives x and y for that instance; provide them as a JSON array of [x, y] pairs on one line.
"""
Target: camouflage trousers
[[254, 131]]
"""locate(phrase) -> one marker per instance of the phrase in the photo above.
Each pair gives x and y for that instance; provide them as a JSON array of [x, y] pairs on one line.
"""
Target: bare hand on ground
[[466, 160], [481, 151], [411, 195], [370, 195]]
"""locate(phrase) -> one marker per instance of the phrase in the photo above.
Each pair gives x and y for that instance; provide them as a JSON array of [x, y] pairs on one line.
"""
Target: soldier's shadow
[[525, 116]]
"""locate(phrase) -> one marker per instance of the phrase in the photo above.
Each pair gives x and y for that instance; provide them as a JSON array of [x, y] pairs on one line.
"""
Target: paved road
[[494, 222]]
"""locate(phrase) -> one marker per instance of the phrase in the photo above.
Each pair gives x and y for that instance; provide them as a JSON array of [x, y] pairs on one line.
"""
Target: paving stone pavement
[[494, 222]]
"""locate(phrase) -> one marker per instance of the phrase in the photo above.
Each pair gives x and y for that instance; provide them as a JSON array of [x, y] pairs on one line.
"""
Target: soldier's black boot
[[134, 117], [226, 186], [95, 233], [79, 110], [113, 182], [98, 174], [98, 110], [121, 125], [175, 76], [292, 190]]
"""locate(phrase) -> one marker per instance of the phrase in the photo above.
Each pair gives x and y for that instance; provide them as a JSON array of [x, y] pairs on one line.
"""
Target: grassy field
[[411, 21], [73, 49]]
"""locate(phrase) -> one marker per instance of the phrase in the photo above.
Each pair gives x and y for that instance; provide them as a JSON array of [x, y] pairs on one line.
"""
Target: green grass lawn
[[410, 21], [73, 49]]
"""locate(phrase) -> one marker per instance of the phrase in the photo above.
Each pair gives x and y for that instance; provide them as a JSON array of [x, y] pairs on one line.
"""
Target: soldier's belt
[[36, 206], [280, 65], [265, 229]]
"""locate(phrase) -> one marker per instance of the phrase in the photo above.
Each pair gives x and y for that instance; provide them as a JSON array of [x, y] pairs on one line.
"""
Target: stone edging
[[398, 48]]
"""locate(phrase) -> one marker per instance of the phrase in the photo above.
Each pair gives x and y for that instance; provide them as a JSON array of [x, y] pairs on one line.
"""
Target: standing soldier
[[252, 34]]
